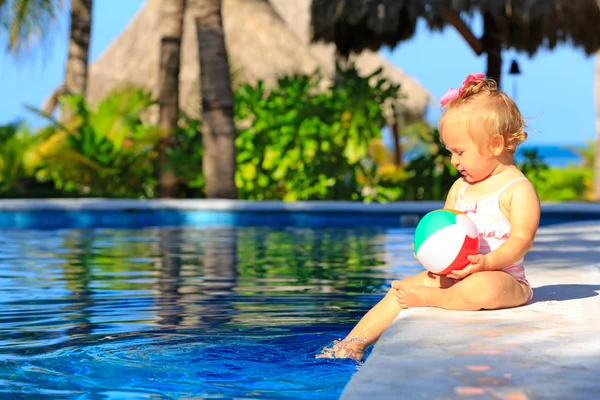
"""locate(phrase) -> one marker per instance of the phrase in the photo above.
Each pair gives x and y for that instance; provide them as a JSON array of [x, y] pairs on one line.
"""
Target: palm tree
[[76, 71], [28, 21], [218, 131], [171, 27]]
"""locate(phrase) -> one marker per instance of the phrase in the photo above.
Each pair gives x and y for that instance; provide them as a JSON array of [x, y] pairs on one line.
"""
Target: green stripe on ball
[[431, 223]]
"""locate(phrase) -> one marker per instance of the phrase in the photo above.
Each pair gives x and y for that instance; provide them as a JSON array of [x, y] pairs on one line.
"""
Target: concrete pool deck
[[549, 349]]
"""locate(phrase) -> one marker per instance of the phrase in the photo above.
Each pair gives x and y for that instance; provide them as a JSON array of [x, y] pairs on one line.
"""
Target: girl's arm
[[524, 210]]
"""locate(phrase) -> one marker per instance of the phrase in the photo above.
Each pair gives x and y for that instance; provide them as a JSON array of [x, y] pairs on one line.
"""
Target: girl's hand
[[479, 263]]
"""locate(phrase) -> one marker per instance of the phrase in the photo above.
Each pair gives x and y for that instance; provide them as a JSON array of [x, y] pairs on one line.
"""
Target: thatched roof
[[415, 98], [356, 25], [260, 43]]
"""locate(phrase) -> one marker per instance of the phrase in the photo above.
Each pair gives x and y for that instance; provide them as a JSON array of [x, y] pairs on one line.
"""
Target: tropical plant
[[533, 165], [102, 151], [587, 154], [564, 184], [379, 175], [430, 173], [186, 158], [299, 142], [17, 161]]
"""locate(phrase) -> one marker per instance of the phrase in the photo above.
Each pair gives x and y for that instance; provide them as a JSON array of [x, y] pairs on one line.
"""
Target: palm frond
[[28, 22]]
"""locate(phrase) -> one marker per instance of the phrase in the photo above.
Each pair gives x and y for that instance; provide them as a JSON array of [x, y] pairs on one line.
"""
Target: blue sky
[[555, 90]]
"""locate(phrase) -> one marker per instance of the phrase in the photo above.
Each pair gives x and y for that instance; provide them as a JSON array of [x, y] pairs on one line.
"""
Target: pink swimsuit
[[494, 228]]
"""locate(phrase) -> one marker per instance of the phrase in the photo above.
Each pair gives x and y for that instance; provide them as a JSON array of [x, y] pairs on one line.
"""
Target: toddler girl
[[481, 128]]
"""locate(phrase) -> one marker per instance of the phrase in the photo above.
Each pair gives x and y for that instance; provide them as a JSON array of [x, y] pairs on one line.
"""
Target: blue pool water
[[187, 312]]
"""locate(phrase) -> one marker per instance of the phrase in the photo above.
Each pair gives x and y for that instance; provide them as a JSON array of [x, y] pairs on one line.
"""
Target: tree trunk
[[394, 126], [76, 71], [170, 308], [171, 29], [79, 46], [597, 155], [454, 19], [220, 276], [218, 131], [492, 44]]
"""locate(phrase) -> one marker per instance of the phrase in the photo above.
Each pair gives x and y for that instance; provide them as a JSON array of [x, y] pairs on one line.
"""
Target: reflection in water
[[219, 271], [78, 278], [205, 296], [186, 312], [170, 308]]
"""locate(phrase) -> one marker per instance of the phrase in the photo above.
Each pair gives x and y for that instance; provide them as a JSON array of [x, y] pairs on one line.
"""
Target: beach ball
[[443, 240]]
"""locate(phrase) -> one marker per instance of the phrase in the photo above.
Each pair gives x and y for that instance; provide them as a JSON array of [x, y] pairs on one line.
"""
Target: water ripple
[[175, 312]]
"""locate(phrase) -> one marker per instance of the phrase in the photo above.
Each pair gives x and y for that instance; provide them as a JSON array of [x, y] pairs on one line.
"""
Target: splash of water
[[339, 348]]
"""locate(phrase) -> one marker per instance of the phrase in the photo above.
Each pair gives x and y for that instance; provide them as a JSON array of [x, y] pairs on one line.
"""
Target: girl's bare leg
[[379, 318], [489, 290]]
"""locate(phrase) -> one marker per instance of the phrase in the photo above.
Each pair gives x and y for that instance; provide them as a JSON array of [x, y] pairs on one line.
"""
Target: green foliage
[[16, 149], [568, 184], [297, 142], [534, 167], [533, 164], [430, 174], [104, 151], [186, 157], [557, 184], [587, 153]]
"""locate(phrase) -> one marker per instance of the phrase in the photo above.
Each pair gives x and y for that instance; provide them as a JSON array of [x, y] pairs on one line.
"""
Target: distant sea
[[552, 155]]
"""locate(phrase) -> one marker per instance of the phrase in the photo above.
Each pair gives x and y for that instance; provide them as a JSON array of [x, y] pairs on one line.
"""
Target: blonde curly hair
[[487, 112]]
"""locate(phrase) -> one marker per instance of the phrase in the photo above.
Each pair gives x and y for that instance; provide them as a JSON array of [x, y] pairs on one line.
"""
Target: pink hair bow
[[452, 93]]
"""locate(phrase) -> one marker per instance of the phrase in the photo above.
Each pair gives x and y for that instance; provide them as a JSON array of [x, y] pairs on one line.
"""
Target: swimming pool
[[162, 299], [177, 312]]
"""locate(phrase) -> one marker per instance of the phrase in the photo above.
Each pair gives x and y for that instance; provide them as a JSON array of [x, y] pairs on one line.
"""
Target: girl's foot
[[343, 349]]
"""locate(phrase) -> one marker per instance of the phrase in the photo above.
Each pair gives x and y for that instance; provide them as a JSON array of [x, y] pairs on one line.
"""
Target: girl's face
[[473, 161]]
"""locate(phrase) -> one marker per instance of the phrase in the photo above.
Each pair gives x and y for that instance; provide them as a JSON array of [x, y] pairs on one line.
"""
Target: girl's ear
[[497, 145]]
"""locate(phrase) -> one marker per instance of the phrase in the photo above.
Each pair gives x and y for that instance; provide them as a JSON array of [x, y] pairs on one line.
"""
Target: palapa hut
[[415, 98], [260, 47], [264, 42], [528, 25], [358, 25]]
